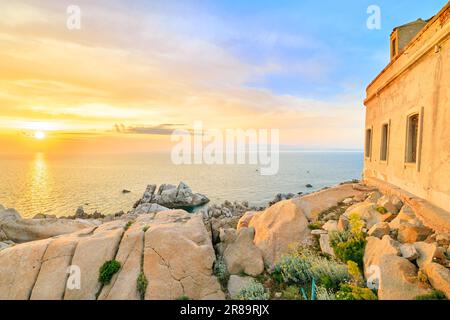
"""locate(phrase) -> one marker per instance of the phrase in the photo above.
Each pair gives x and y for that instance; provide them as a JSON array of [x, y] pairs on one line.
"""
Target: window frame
[[385, 150], [408, 139], [368, 144]]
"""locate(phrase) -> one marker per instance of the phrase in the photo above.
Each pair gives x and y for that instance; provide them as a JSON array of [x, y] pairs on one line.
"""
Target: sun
[[39, 135]]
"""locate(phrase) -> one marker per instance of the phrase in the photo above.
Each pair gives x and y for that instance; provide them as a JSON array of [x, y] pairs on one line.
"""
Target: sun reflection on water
[[38, 187]]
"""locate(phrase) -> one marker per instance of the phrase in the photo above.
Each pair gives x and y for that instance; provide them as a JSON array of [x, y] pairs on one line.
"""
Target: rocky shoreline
[[232, 250]]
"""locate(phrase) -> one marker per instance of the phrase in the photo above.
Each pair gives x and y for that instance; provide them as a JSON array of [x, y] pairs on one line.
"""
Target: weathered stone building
[[407, 147]]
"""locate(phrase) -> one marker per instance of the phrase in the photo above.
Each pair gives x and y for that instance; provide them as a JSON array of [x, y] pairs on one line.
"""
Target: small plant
[[349, 246], [254, 291], [354, 292], [304, 265], [142, 284], [183, 298], [422, 277], [291, 293], [315, 226], [221, 272], [323, 293], [128, 225], [381, 210], [356, 224], [107, 270], [355, 273], [434, 295]]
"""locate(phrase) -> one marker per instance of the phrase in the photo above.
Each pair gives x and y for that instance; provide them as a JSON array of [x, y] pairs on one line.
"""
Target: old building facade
[[407, 145]]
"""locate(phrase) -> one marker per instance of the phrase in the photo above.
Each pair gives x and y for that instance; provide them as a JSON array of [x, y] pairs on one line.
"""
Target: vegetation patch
[[128, 225], [354, 292], [315, 226], [304, 265], [142, 284], [254, 291], [183, 298], [434, 295], [381, 210], [350, 245], [107, 270], [221, 272]]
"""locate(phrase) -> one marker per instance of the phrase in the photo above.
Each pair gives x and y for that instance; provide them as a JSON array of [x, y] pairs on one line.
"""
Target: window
[[368, 143], [384, 142], [393, 48], [412, 138]]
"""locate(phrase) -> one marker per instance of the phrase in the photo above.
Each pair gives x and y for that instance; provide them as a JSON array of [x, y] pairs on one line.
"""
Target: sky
[[137, 70]]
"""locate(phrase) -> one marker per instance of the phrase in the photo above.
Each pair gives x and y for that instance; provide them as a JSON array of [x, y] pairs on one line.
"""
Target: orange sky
[[138, 71]]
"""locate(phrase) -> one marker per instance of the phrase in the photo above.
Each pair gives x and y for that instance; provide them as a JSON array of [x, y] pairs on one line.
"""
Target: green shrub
[[355, 273], [183, 298], [142, 284], [300, 267], [254, 291], [348, 246], [221, 272], [381, 210], [322, 293], [434, 295], [354, 292], [291, 293], [107, 270], [128, 225], [315, 226]]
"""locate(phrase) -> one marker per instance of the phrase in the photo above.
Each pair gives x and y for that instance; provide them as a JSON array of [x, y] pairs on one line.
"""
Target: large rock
[[123, 285], [330, 226], [325, 246], [53, 275], [398, 279], [366, 211], [379, 230], [376, 249], [146, 208], [427, 252], [412, 232], [91, 253], [245, 219], [278, 228], [19, 268], [178, 258], [315, 203], [439, 277], [236, 284], [173, 197], [243, 256], [409, 252], [23, 230], [388, 204]]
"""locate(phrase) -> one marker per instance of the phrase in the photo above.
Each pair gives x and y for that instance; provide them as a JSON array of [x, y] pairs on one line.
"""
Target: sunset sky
[[139, 69]]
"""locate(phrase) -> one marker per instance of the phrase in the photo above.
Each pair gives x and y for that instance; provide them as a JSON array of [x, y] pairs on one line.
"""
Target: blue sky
[[335, 35], [298, 66]]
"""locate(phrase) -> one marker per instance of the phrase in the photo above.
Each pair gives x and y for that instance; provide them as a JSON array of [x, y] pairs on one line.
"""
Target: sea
[[58, 185]]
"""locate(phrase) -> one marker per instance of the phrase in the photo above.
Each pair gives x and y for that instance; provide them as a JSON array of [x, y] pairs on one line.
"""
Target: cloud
[[162, 129]]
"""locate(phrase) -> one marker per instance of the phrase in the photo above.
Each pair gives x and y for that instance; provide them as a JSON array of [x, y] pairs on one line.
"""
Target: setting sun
[[39, 135]]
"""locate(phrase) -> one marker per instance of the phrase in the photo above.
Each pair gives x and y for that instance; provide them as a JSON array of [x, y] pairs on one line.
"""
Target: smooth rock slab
[[91, 253], [178, 258], [19, 268], [398, 279], [53, 275], [278, 228], [123, 285], [243, 256], [439, 277]]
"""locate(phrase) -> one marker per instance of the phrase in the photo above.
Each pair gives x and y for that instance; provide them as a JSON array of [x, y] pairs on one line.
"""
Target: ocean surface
[[59, 185]]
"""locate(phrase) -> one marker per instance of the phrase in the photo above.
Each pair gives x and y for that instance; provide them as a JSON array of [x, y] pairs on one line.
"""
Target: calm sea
[[59, 185]]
